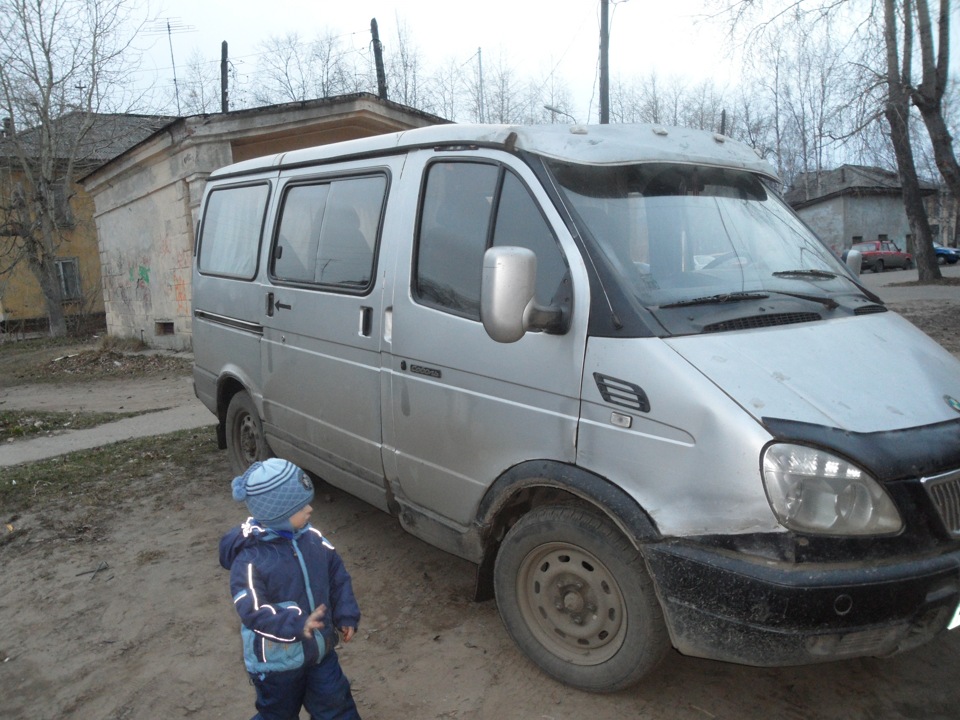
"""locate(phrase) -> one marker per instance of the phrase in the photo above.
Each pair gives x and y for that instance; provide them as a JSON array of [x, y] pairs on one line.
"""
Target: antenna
[[170, 26]]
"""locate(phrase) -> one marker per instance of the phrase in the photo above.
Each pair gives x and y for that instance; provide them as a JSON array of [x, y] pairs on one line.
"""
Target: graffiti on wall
[[128, 282]]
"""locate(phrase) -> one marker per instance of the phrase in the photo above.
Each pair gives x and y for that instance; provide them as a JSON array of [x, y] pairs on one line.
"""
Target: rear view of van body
[[606, 364]]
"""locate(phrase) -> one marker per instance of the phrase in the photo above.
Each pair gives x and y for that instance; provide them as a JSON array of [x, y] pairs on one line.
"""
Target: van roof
[[590, 144]]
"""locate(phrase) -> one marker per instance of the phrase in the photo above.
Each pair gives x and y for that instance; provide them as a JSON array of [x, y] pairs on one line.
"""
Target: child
[[291, 590]]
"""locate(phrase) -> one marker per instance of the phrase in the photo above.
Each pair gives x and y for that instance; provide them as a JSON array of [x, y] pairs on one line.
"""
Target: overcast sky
[[534, 37]]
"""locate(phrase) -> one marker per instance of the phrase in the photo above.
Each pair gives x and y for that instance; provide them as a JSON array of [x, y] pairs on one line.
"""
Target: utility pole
[[480, 68], [224, 83], [378, 59], [604, 63]]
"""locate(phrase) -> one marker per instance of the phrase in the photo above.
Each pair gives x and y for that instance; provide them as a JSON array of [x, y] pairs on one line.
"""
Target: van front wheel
[[245, 441], [575, 596]]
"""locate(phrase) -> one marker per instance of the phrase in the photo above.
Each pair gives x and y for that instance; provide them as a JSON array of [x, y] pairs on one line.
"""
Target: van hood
[[861, 374]]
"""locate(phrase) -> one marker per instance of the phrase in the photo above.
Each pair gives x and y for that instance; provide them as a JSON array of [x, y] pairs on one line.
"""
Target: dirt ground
[[114, 607]]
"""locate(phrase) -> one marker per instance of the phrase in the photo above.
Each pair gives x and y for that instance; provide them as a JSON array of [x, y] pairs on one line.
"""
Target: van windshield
[[680, 235]]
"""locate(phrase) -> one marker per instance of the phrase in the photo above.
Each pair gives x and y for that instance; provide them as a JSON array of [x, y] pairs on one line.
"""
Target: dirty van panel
[[227, 311], [321, 343], [493, 404]]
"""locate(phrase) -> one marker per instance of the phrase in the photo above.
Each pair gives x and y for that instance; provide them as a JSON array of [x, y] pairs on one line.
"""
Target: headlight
[[813, 491]]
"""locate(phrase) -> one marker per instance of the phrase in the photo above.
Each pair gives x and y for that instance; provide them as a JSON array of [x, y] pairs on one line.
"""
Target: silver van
[[608, 365]]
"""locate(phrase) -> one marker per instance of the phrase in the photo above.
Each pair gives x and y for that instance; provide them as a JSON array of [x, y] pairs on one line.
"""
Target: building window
[[68, 273], [61, 206]]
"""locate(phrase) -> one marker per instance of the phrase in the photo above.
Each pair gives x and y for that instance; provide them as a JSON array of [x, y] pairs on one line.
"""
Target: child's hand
[[313, 621], [346, 633]]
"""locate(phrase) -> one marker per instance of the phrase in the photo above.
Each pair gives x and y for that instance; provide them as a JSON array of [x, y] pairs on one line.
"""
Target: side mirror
[[854, 259], [507, 289]]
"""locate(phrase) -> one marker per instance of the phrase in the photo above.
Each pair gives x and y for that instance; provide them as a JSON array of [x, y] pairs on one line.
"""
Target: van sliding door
[[321, 341]]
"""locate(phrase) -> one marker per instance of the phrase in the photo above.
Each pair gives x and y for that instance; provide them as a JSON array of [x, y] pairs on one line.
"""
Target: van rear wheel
[[245, 441], [575, 596]]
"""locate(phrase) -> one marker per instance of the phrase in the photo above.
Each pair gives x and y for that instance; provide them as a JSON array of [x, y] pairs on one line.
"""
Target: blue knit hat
[[274, 490]]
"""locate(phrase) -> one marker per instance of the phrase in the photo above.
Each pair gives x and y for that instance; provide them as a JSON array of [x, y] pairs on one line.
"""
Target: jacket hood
[[250, 533]]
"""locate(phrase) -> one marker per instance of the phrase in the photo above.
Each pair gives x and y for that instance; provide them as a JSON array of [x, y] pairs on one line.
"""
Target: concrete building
[[856, 202], [147, 199]]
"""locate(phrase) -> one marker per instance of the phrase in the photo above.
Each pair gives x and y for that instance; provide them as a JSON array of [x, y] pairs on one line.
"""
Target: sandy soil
[[113, 607]]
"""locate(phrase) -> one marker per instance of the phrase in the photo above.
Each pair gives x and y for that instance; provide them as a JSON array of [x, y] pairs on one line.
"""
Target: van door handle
[[275, 304]]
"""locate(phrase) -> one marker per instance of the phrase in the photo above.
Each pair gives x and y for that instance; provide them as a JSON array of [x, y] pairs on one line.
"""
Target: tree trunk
[[928, 97], [897, 113], [46, 274]]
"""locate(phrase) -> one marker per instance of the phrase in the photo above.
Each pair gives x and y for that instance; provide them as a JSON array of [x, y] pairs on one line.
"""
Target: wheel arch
[[535, 483], [228, 385]]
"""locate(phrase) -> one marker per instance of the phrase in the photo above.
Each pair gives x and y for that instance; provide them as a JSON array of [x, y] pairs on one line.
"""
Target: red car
[[878, 255]]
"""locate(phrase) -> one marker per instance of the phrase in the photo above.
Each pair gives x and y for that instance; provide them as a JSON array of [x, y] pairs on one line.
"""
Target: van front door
[[463, 408], [321, 340]]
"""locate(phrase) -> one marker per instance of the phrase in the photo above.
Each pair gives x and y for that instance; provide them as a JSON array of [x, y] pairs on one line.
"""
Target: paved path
[[169, 405], [153, 423]]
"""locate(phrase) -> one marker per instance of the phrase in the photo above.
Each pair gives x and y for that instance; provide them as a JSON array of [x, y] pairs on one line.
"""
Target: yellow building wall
[[20, 297]]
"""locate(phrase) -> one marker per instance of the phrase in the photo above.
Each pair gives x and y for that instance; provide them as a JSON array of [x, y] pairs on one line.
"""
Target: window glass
[[455, 232], [348, 234], [232, 225], [295, 254], [328, 232], [454, 221], [520, 224], [68, 272]]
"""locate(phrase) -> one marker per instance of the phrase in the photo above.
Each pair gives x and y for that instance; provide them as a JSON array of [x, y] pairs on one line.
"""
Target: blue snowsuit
[[276, 579]]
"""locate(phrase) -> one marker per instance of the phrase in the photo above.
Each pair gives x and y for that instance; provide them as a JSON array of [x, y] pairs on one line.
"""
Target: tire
[[245, 441], [575, 596], [878, 266], [941, 260]]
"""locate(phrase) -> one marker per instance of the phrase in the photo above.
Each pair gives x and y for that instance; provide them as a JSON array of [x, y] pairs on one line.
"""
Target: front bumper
[[728, 606]]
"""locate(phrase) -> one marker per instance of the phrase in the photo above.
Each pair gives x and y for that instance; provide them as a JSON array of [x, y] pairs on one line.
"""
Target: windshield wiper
[[829, 302], [811, 274], [806, 273], [717, 299]]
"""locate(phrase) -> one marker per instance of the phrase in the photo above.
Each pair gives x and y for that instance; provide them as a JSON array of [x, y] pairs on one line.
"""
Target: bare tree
[[897, 112], [929, 94], [443, 93], [404, 69], [893, 78], [60, 60], [201, 85], [285, 71]]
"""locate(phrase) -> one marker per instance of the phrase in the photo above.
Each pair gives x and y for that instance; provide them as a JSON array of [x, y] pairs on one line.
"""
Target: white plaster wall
[[826, 220], [145, 255]]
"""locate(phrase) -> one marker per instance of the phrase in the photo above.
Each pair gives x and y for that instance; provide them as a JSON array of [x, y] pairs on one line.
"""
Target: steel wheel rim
[[572, 603], [248, 439]]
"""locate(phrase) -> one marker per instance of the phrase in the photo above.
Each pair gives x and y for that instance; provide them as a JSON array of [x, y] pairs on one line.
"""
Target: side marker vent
[[622, 393]]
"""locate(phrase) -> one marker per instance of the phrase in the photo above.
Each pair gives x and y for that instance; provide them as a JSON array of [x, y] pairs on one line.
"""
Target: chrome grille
[[944, 490]]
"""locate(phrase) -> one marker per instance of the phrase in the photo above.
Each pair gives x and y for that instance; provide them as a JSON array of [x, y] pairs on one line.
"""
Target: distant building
[[856, 202], [22, 306], [147, 199]]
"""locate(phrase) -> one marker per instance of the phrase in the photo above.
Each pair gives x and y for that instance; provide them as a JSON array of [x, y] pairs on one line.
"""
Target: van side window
[[328, 232], [520, 224], [468, 207], [232, 225], [454, 220]]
